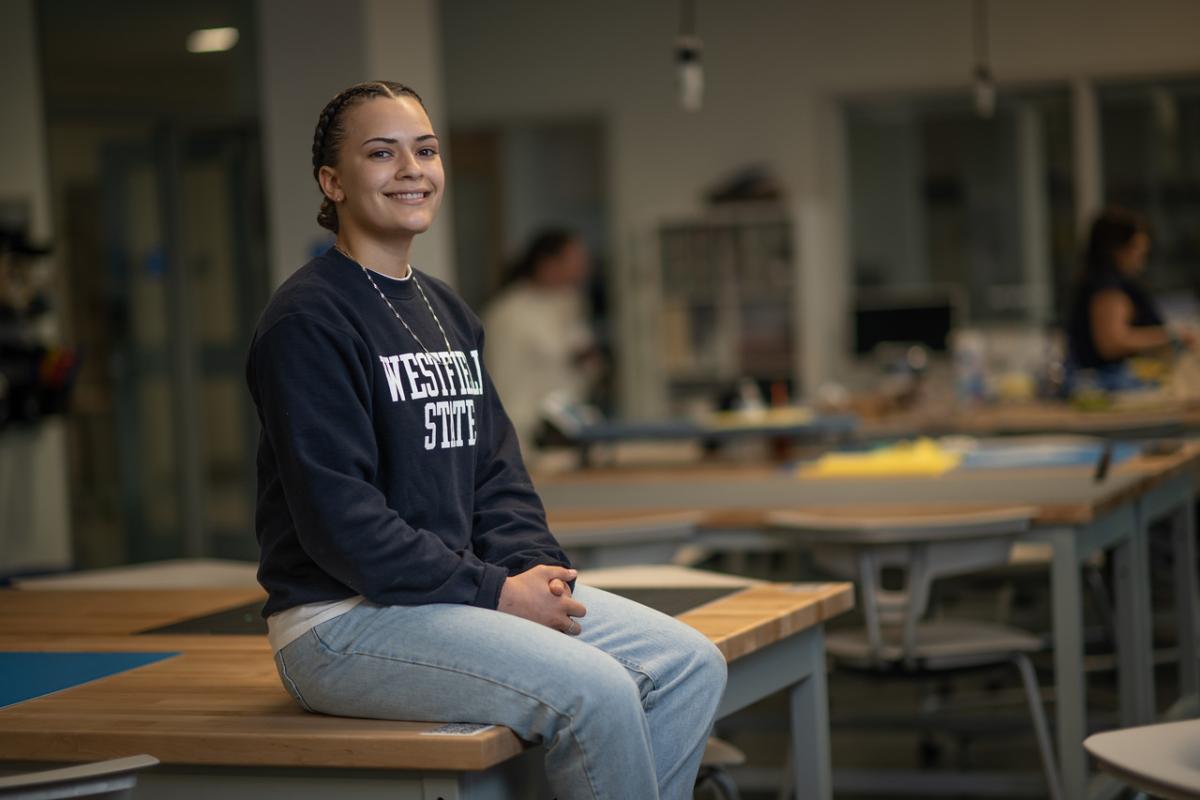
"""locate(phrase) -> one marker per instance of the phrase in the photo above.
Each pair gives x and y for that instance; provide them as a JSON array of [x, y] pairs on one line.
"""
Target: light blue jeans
[[624, 709]]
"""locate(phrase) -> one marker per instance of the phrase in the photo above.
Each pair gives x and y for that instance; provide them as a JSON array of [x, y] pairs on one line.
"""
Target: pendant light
[[689, 72], [983, 87]]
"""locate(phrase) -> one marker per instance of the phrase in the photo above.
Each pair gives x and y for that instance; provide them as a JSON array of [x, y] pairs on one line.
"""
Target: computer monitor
[[924, 316]]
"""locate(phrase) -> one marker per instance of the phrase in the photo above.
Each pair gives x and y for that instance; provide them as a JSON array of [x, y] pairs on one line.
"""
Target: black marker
[[1103, 462]]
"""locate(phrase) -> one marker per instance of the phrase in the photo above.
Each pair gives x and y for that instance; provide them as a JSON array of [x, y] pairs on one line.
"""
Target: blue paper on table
[[1049, 454], [24, 676], [685, 429]]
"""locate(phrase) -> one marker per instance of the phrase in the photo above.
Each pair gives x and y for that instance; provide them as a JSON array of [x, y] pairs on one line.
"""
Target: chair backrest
[[112, 778], [874, 547]]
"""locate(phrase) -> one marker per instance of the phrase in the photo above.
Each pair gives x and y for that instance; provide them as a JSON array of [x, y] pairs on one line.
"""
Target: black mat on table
[[247, 620], [675, 601], [244, 620]]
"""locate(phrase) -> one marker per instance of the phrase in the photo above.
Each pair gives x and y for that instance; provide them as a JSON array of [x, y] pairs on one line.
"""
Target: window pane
[[941, 197], [1151, 142]]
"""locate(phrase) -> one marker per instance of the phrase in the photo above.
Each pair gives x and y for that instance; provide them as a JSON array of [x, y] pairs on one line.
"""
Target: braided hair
[[331, 130]]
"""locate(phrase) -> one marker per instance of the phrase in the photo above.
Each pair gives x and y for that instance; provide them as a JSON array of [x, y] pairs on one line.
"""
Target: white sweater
[[534, 338]]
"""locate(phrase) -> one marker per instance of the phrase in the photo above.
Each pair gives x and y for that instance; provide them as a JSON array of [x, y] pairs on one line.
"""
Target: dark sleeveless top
[[1079, 324]]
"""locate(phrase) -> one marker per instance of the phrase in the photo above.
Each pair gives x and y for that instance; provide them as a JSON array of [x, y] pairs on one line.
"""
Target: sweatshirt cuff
[[488, 595]]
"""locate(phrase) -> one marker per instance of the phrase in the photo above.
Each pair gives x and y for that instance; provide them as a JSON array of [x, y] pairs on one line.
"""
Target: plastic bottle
[[970, 366]]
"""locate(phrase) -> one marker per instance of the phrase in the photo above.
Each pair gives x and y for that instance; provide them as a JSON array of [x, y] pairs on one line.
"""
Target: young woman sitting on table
[[409, 568], [1113, 317]]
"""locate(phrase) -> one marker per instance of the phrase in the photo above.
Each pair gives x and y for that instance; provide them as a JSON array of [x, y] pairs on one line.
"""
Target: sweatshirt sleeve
[[312, 385], [509, 523]]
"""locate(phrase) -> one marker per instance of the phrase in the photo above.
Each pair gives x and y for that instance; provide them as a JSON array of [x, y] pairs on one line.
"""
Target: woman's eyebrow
[[389, 140]]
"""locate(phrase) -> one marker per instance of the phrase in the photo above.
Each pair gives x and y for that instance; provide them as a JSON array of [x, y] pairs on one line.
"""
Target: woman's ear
[[331, 185]]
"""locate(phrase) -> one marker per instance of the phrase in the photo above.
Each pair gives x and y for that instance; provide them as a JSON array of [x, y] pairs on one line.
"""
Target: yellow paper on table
[[1150, 370], [922, 457]]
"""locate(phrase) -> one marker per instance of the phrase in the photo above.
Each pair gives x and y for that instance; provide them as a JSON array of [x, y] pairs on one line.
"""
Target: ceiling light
[[983, 85], [983, 92], [212, 40], [689, 71]]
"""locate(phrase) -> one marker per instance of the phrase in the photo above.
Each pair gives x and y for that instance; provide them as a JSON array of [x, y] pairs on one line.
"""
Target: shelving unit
[[727, 302]]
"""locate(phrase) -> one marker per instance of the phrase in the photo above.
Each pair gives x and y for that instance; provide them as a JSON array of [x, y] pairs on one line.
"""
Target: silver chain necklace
[[412, 273]]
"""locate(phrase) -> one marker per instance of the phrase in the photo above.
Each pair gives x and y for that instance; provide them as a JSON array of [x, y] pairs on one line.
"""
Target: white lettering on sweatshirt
[[435, 378]]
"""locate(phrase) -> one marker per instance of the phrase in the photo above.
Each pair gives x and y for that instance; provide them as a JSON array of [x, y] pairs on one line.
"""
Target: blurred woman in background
[[540, 341], [1113, 316]]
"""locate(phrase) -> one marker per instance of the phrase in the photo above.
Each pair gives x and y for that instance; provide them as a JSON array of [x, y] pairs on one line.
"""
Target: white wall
[[34, 518], [774, 68], [23, 157], [304, 60], [402, 44], [309, 54]]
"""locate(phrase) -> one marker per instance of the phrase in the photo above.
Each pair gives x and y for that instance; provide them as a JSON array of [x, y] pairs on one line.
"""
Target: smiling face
[[388, 179]]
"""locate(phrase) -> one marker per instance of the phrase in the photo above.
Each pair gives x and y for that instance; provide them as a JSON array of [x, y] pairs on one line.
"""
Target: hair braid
[[330, 130]]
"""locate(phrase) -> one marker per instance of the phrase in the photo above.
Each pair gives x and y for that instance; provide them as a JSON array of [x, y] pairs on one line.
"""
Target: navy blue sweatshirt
[[384, 470]]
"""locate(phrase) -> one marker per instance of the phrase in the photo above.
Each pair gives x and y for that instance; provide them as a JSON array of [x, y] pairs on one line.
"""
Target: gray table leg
[[1173, 501], [1070, 682], [811, 772], [795, 664], [1135, 645], [1183, 541]]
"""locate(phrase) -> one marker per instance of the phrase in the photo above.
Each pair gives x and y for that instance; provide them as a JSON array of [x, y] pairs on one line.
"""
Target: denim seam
[[570, 719], [638, 668], [587, 770], [283, 671]]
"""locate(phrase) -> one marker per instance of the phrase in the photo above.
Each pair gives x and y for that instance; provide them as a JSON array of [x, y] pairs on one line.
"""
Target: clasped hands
[[541, 594]]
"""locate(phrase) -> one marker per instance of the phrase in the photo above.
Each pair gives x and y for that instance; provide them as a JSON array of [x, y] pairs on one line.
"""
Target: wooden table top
[[219, 702], [743, 495], [109, 612]]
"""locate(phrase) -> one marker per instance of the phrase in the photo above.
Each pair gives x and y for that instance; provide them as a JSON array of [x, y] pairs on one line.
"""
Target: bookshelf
[[727, 302]]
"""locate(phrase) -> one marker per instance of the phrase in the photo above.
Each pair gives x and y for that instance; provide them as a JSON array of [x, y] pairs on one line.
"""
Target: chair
[[1162, 760], [871, 548], [113, 779], [719, 755]]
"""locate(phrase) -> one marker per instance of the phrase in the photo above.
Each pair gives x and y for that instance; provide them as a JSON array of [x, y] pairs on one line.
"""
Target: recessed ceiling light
[[212, 40]]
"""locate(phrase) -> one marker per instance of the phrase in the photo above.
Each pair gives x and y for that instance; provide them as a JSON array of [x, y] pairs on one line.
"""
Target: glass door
[[183, 239]]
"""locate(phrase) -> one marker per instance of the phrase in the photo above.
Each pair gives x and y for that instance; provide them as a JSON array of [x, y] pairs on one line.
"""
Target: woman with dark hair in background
[[1112, 316], [541, 343], [409, 568]]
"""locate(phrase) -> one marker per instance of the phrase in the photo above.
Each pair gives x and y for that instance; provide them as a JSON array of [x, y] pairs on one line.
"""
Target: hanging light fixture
[[689, 72], [983, 87]]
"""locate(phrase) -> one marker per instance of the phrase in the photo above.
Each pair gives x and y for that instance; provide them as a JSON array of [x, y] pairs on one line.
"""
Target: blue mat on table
[[25, 676], [662, 430], [1000, 456]]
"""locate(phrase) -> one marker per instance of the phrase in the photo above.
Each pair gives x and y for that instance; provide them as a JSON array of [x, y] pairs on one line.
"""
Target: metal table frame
[[1124, 530]]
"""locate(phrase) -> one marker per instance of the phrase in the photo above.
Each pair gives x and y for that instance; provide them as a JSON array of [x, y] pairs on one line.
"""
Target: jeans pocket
[[288, 684]]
